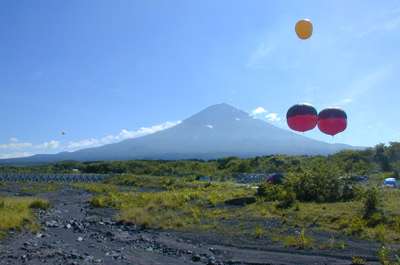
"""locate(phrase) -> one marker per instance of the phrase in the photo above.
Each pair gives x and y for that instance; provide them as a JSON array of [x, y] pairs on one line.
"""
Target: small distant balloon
[[332, 120], [63, 133], [302, 117], [304, 29]]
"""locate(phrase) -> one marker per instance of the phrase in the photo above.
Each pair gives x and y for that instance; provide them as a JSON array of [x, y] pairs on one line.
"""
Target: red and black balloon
[[332, 120], [302, 117]]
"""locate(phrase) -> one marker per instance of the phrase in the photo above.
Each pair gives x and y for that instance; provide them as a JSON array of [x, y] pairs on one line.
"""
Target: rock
[[211, 261], [196, 257], [149, 249]]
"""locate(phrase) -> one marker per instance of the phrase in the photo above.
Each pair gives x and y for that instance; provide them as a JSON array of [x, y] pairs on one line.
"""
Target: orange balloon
[[304, 29], [63, 133]]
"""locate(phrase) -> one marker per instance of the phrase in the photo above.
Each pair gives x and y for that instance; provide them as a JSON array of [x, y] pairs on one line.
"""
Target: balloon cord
[[312, 77]]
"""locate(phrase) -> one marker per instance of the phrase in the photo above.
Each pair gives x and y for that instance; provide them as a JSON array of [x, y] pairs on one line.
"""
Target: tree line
[[373, 160]]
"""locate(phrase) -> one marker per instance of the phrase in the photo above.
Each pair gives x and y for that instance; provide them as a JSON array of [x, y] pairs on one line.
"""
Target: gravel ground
[[74, 233]]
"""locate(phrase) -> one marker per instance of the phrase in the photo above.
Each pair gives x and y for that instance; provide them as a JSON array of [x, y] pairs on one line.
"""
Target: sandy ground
[[74, 233]]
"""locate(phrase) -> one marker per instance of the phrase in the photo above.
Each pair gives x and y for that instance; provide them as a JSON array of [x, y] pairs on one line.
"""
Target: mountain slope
[[216, 132]]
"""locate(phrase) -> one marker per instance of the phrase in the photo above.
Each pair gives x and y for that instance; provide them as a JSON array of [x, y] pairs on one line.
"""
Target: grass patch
[[40, 187], [17, 213]]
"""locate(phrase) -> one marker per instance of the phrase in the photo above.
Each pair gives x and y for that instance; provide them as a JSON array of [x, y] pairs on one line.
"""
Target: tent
[[276, 178]]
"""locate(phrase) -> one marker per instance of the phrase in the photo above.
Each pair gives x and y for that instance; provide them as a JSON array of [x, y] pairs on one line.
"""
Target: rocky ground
[[74, 233]]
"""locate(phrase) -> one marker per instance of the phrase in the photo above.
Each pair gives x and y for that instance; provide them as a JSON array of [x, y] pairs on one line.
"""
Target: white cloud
[[14, 140], [209, 126], [46, 145], [273, 117], [344, 101], [146, 130], [124, 134], [270, 116], [258, 110], [256, 59], [389, 25], [83, 143], [13, 155], [15, 146], [107, 139]]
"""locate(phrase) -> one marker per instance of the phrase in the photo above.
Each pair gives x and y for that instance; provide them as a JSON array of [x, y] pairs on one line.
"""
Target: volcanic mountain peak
[[215, 132]]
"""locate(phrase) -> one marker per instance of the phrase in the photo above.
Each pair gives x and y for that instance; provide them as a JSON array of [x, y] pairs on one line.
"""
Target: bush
[[284, 196], [371, 199], [323, 186], [286, 199], [39, 204]]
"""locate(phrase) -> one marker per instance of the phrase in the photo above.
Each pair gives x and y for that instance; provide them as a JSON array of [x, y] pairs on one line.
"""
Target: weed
[[213, 199], [341, 244], [357, 226], [380, 234], [332, 245], [302, 241], [357, 261], [258, 232], [384, 255]]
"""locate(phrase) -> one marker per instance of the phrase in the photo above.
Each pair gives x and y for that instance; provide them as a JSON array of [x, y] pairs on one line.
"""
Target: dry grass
[[17, 213], [202, 206]]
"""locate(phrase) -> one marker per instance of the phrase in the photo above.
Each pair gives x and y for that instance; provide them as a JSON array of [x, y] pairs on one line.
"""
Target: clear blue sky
[[103, 71]]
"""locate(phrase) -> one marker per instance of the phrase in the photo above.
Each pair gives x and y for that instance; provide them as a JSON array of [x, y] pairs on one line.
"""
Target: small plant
[[341, 244], [380, 234], [357, 261], [213, 199], [304, 241], [258, 232], [301, 242], [384, 255], [332, 245]]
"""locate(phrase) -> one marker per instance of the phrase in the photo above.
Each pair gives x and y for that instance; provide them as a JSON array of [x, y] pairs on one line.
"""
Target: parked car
[[390, 183]]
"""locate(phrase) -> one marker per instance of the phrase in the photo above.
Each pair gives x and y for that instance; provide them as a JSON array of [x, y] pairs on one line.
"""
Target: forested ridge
[[378, 159]]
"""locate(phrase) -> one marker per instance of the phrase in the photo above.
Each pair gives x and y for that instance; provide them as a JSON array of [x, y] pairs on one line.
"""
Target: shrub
[[286, 199], [371, 199], [321, 186], [39, 204], [284, 196]]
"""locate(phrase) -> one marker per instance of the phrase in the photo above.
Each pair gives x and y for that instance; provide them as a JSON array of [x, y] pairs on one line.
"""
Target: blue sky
[[104, 71]]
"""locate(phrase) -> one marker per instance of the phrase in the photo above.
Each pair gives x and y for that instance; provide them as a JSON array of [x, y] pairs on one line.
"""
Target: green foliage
[[321, 186], [371, 199], [283, 196]]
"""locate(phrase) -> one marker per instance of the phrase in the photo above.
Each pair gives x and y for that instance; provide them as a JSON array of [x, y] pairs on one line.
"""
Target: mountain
[[218, 131]]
